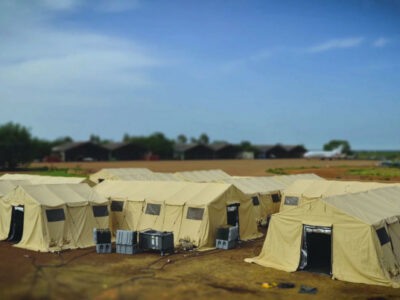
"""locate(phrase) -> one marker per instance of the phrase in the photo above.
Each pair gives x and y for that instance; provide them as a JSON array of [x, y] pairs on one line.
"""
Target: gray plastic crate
[[226, 245], [104, 248], [127, 249], [126, 237]]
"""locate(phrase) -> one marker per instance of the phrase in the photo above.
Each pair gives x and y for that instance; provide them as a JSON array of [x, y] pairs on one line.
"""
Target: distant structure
[[89, 151], [280, 151], [193, 151], [81, 151], [125, 151], [225, 150]]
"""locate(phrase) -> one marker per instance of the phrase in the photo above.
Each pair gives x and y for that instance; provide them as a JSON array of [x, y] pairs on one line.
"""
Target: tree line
[[18, 147]]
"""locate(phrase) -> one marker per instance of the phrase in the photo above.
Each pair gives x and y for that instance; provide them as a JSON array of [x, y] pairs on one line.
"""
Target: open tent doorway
[[316, 250], [17, 224], [232, 216]]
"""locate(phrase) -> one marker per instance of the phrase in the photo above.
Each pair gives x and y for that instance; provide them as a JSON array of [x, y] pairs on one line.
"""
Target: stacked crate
[[126, 242], [227, 237], [102, 239]]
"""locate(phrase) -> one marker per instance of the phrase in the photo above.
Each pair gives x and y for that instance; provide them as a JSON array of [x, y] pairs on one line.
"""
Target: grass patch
[[56, 172], [277, 171], [382, 173]]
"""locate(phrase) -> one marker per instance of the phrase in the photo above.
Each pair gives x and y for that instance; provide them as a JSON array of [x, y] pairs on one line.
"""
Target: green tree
[[334, 144], [181, 139], [246, 146], [204, 139], [15, 145], [62, 140]]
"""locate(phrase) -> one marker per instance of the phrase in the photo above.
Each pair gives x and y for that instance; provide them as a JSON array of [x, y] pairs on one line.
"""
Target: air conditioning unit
[[101, 236], [126, 242], [103, 248], [156, 240], [225, 245], [228, 233]]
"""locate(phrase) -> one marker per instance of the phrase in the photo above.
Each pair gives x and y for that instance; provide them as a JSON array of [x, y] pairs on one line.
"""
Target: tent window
[[255, 201], [383, 236], [100, 211], [55, 215], [117, 205], [195, 213], [276, 198], [153, 209], [291, 200]]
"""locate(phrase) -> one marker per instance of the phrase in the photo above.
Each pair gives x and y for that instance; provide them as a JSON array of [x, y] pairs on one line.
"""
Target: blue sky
[[265, 71]]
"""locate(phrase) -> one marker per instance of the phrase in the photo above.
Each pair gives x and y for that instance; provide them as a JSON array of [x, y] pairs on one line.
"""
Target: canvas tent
[[118, 174], [202, 175], [39, 179], [55, 216], [289, 179], [306, 190], [355, 237], [192, 211], [264, 192], [7, 186]]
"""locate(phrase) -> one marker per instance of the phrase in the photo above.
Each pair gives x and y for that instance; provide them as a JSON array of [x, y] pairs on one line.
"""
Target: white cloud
[[381, 42], [336, 44], [41, 63]]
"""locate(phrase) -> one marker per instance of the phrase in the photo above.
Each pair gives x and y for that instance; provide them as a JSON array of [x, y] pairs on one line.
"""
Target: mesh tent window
[[291, 200], [153, 209], [256, 202], [100, 211], [55, 215], [383, 236], [195, 213], [117, 205], [276, 198]]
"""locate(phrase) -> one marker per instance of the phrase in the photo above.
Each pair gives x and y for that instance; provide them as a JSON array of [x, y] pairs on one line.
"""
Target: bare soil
[[233, 167]]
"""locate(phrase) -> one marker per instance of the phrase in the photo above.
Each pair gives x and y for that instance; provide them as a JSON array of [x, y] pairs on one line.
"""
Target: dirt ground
[[232, 167], [216, 274]]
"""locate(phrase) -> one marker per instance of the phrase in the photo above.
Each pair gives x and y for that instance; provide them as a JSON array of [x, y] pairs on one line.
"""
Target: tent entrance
[[17, 224], [232, 215], [316, 249]]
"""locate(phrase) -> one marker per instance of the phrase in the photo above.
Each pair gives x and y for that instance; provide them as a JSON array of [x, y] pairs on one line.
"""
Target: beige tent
[[7, 186], [306, 190], [56, 216], [118, 174], [39, 179], [356, 236], [264, 191], [289, 179], [202, 175], [193, 211]]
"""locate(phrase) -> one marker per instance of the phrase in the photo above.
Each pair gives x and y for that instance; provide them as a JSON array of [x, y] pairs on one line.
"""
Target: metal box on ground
[[224, 244], [127, 249], [126, 237], [156, 240], [101, 236], [228, 233], [104, 248]]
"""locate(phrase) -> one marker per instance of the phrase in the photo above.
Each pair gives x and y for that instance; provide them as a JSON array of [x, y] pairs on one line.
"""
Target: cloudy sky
[[264, 71]]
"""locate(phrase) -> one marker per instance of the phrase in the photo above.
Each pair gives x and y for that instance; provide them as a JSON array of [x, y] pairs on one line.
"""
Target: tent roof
[[203, 175], [173, 193], [256, 185], [325, 188], [39, 179], [7, 186], [289, 179], [371, 206], [59, 194]]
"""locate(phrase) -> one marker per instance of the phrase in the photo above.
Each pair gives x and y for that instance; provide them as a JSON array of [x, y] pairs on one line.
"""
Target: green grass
[[381, 172], [277, 171], [56, 172], [388, 155]]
